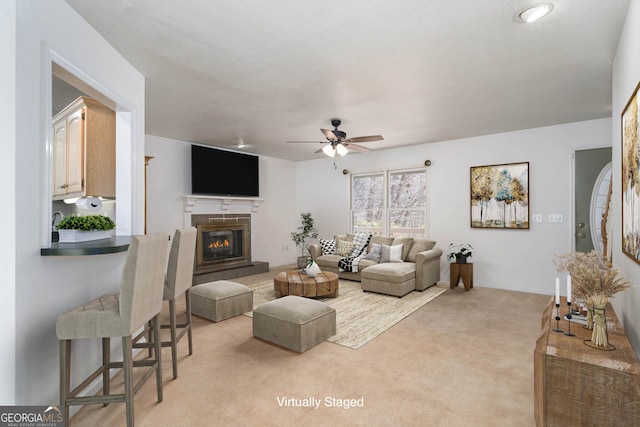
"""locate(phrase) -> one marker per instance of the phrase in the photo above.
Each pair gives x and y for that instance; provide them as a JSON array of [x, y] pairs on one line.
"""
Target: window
[[392, 203]]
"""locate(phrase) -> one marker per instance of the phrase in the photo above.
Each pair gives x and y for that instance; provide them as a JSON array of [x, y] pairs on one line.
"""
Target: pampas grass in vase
[[596, 281]]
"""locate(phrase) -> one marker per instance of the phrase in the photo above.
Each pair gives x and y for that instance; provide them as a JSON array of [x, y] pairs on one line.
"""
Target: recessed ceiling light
[[532, 13]]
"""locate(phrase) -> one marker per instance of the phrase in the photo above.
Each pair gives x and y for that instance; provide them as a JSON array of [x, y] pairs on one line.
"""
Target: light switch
[[556, 218], [536, 218]]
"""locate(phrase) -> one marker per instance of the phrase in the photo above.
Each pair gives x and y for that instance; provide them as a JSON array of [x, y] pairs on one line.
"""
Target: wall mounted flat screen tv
[[223, 173]]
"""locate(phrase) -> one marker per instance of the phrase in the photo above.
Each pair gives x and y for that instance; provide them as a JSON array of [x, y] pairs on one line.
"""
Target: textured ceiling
[[265, 72]]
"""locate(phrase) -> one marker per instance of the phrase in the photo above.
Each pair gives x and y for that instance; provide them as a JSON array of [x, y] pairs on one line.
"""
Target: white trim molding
[[212, 204]]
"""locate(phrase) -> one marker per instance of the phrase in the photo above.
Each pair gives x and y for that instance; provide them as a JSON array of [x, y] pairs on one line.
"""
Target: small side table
[[461, 271]]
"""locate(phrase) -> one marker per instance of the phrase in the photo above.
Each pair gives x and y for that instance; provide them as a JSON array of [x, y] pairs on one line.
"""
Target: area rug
[[360, 316]]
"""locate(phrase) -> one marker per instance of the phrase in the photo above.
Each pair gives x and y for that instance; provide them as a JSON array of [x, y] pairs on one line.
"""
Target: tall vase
[[302, 261]]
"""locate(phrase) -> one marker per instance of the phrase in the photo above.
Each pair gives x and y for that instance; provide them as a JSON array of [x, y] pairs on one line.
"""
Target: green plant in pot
[[76, 228], [460, 252], [306, 232]]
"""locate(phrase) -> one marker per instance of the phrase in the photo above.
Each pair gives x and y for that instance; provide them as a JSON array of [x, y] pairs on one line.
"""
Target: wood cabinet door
[[60, 158], [75, 152]]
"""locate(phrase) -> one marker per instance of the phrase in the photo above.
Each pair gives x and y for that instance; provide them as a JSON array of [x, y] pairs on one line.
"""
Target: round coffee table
[[294, 282]]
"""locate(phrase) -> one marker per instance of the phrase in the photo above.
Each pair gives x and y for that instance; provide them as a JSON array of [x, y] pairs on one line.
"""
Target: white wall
[[509, 259], [46, 287], [626, 75], [169, 179], [8, 214]]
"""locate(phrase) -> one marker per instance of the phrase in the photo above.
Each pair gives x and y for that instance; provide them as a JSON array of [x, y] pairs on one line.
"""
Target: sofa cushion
[[344, 248], [391, 272], [406, 243], [419, 245], [390, 253], [328, 246], [328, 261]]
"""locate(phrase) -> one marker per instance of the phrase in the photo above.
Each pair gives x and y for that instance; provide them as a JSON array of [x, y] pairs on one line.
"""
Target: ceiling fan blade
[[369, 138], [305, 142], [358, 148], [329, 134]]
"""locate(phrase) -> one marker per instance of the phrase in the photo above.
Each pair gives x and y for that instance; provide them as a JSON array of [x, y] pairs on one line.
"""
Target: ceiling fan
[[338, 141]]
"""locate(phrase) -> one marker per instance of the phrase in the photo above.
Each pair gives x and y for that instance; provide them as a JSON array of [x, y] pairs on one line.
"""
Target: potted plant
[[460, 251], [306, 232], [74, 228]]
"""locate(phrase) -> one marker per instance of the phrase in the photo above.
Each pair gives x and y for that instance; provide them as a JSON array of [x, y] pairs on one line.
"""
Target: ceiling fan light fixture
[[342, 150], [533, 13], [329, 150]]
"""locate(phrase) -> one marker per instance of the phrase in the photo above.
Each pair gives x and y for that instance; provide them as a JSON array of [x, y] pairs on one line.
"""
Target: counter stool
[[118, 315], [178, 282]]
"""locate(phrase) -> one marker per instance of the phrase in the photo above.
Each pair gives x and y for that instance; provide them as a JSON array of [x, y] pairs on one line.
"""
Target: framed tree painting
[[630, 180], [500, 196]]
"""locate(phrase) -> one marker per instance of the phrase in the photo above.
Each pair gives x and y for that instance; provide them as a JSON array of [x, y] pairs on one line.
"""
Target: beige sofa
[[419, 269]]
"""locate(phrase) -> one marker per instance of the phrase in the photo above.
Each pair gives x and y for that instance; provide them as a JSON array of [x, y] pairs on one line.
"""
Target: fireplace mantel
[[211, 204]]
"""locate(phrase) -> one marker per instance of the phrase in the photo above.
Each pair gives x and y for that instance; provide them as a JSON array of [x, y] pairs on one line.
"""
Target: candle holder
[[557, 328], [568, 333]]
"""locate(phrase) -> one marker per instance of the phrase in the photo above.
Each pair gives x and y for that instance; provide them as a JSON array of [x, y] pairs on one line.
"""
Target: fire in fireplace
[[220, 245]]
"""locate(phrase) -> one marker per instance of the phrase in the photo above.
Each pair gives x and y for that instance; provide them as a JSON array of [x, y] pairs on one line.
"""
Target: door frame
[[572, 208]]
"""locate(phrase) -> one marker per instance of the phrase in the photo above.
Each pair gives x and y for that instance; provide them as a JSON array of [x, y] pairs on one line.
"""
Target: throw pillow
[[406, 243], [328, 246], [360, 242], [391, 253], [375, 253], [344, 248]]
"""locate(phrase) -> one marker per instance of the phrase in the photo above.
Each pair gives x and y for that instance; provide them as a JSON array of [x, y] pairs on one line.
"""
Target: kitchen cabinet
[[84, 150]]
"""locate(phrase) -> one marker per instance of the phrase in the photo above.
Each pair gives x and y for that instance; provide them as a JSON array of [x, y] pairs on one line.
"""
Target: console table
[[576, 385]]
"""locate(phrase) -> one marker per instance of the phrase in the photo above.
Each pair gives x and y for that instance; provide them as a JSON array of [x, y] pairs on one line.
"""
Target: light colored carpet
[[360, 316]]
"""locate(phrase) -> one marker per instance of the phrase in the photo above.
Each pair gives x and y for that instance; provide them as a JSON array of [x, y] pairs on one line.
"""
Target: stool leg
[[127, 366], [65, 377], [187, 296], [172, 324], [106, 361], [158, 348]]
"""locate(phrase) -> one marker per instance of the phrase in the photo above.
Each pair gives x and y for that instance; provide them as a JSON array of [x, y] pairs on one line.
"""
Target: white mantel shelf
[[207, 204]]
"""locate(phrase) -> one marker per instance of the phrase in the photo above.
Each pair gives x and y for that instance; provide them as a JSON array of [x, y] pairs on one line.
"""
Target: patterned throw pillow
[[375, 253], [360, 242], [344, 248], [328, 246]]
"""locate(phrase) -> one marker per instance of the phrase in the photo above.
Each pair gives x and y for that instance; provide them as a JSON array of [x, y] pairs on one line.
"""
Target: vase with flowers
[[594, 280]]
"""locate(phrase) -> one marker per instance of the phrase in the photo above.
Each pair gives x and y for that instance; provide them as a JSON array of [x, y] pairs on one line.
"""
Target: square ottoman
[[220, 300], [294, 322]]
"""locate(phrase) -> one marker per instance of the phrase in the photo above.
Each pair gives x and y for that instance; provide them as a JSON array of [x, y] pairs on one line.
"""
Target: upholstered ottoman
[[220, 300], [294, 322]]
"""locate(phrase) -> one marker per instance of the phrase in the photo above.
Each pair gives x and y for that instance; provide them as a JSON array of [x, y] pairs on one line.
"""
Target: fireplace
[[223, 242]]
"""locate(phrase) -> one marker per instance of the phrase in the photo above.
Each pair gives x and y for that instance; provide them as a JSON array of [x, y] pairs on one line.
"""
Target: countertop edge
[[96, 247]]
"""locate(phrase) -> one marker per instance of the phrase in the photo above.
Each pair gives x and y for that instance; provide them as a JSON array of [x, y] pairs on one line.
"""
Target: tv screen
[[223, 173]]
